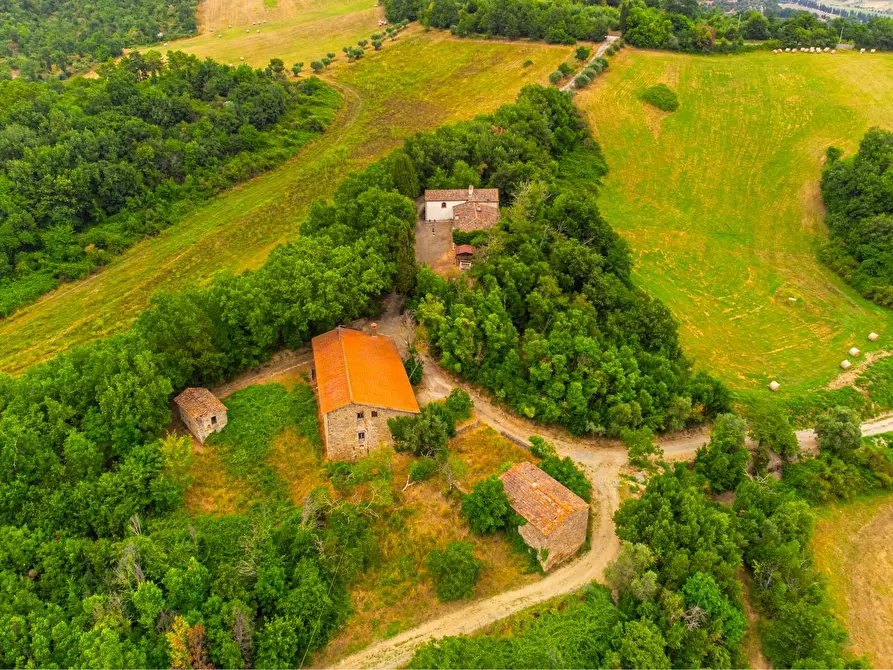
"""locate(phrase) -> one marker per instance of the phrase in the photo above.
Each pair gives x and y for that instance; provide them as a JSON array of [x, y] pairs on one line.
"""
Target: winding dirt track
[[602, 464]]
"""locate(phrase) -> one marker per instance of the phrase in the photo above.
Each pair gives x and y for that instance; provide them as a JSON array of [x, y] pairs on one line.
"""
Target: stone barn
[[361, 383], [440, 203], [557, 518], [201, 411]]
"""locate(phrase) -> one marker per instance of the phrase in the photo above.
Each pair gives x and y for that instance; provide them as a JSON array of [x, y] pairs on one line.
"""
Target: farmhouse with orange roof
[[361, 383], [557, 518]]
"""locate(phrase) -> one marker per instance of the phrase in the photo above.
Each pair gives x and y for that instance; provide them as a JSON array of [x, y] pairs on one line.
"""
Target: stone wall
[[342, 427], [202, 428], [561, 543]]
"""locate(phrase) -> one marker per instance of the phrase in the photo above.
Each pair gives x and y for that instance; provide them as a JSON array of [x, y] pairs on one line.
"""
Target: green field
[[720, 202], [418, 82]]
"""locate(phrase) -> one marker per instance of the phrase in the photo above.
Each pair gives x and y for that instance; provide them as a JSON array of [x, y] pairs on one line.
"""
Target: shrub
[[662, 97], [414, 369], [540, 448], [528, 63], [487, 506], [565, 69], [425, 434], [476, 238], [459, 404], [454, 570], [555, 77], [422, 469]]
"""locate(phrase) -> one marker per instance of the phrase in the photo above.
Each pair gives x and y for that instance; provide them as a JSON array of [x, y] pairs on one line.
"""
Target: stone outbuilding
[[201, 411], [440, 204], [464, 256], [361, 383], [557, 518]]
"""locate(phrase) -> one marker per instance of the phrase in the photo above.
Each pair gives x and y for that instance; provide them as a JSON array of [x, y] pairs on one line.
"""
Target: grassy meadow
[[852, 548], [295, 30], [721, 205], [420, 81]]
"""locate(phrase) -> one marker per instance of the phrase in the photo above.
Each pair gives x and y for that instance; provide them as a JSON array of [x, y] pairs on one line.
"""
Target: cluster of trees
[[876, 33], [65, 35], [551, 322], [858, 195], [91, 166], [678, 600], [555, 21], [684, 25]]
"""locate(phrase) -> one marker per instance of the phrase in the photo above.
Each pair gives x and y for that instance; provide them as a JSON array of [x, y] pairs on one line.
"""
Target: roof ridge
[[546, 494], [346, 366]]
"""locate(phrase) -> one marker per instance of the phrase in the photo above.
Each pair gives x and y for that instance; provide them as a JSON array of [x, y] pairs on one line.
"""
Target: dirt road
[[602, 48], [602, 461]]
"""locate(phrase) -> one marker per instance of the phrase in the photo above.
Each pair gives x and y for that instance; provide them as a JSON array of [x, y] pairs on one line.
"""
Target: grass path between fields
[[418, 82]]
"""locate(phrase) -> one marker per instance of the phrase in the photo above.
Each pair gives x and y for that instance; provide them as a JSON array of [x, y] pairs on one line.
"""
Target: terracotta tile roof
[[539, 498], [352, 367], [476, 195], [465, 249], [471, 213], [199, 403]]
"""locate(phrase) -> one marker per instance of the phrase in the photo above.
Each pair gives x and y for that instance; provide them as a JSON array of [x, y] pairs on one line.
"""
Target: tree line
[[858, 196], [91, 166], [677, 25], [63, 36], [554, 21]]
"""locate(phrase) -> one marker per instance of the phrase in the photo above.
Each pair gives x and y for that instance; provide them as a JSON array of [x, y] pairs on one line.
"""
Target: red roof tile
[[352, 367], [543, 501]]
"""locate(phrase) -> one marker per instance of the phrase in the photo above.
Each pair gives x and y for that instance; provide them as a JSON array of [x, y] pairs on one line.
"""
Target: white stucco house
[[439, 203]]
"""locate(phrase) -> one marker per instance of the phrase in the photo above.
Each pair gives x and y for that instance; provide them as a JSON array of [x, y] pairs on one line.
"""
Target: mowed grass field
[[853, 550], [295, 30], [420, 81], [720, 202]]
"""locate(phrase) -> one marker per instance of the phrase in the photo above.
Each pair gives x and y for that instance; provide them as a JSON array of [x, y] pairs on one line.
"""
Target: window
[[360, 415], [361, 436], [213, 420], [443, 205], [374, 413]]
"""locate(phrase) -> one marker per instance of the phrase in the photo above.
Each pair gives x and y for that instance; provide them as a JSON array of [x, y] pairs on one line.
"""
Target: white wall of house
[[435, 210]]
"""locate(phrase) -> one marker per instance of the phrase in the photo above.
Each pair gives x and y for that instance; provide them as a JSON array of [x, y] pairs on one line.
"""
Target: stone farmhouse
[[361, 383], [557, 518], [201, 411], [471, 209]]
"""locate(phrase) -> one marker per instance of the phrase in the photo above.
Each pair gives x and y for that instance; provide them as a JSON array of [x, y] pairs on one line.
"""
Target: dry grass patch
[[213, 491], [852, 544], [298, 464], [397, 594]]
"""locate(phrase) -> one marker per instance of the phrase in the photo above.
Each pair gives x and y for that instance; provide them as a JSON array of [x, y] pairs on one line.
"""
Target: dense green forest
[[90, 166], [100, 565], [62, 36], [858, 195], [678, 597], [552, 323], [679, 25]]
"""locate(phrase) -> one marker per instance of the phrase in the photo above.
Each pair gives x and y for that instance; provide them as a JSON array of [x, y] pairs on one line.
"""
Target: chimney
[[470, 190], [374, 328]]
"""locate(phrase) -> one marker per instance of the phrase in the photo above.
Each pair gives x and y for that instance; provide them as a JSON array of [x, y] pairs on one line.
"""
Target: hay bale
[[834, 51], [874, 337], [846, 365], [774, 385], [854, 352], [826, 49], [788, 50], [874, 51], [861, 51]]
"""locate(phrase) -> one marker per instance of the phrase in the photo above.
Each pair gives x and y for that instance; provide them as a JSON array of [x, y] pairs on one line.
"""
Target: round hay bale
[[241, 57], [774, 385], [854, 352], [874, 337], [861, 51], [874, 51], [846, 365], [826, 49], [834, 51]]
